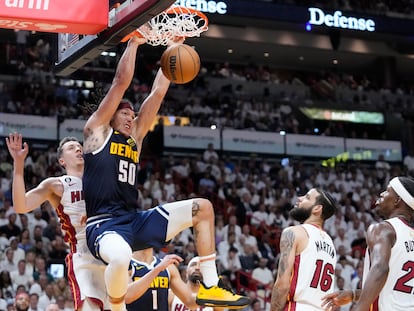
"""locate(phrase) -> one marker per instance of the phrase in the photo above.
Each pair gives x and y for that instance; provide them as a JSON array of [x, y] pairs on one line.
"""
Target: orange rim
[[134, 33], [172, 10]]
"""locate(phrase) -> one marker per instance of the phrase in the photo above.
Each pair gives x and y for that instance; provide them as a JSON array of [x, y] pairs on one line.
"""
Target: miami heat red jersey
[[313, 272]]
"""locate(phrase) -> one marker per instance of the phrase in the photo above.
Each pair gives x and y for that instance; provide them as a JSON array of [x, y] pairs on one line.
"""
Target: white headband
[[193, 260], [398, 187]]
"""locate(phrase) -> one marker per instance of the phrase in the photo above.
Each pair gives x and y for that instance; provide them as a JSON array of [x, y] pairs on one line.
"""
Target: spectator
[[263, 275], [39, 241], [230, 264], [52, 307], [7, 263], [30, 261], [22, 302], [246, 238], [219, 229], [210, 153], [37, 220], [58, 249], [224, 246], [340, 285], [232, 226], [39, 286], [263, 278], [41, 269], [3, 302], [62, 290], [24, 222], [260, 217], [18, 253], [383, 171], [342, 240], [62, 304], [34, 302], [266, 248], [408, 162], [169, 186], [21, 277], [25, 243], [47, 297], [6, 285], [10, 229], [52, 229], [249, 259]]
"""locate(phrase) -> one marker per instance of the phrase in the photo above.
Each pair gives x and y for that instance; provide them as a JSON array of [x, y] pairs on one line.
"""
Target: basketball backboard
[[74, 50]]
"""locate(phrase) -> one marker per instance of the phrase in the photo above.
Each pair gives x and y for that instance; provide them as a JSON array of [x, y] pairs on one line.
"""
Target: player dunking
[[65, 194], [113, 138], [388, 279], [307, 261]]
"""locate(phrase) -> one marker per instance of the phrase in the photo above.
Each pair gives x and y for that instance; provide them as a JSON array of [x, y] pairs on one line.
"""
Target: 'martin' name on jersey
[[326, 247], [124, 150]]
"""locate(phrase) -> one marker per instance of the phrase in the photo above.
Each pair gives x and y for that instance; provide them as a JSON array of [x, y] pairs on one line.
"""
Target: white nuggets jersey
[[85, 272], [398, 291], [313, 272], [178, 305]]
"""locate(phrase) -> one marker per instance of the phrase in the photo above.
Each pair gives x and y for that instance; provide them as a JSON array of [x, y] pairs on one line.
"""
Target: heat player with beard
[[307, 260], [194, 277]]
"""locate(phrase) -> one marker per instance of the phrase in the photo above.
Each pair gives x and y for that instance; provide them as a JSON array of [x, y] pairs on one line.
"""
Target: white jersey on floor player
[[65, 194], [85, 272], [397, 292], [314, 269]]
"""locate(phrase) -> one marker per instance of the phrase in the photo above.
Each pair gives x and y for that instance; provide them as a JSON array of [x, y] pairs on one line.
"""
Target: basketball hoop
[[176, 21]]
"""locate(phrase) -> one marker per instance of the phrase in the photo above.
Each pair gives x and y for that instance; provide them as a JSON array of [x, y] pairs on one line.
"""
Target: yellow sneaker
[[220, 296]]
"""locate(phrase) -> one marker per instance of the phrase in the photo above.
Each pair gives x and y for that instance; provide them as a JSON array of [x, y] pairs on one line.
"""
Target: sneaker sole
[[221, 304]]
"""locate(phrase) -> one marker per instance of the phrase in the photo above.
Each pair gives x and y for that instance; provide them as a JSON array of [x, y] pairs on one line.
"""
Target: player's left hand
[[17, 148], [169, 260]]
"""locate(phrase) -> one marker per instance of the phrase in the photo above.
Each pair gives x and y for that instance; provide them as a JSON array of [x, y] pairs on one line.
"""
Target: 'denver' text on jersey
[[116, 162]]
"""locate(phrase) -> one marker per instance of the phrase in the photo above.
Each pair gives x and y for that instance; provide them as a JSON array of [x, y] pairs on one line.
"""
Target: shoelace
[[225, 287]]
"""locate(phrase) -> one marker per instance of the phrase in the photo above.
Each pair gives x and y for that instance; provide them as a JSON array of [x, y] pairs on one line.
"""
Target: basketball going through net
[[175, 21]]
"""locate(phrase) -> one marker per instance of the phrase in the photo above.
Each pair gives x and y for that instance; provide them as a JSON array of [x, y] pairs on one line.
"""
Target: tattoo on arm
[[278, 302], [286, 244], [195, 208], [279, 295]]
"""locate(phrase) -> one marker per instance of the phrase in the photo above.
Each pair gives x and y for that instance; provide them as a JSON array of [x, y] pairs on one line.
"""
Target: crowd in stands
[[220, 95]]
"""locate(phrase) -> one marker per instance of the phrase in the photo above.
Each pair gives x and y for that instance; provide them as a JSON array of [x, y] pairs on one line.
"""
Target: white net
[[174, 22]]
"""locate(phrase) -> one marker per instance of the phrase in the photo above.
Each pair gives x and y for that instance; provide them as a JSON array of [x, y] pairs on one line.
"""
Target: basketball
[[180, 63]]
